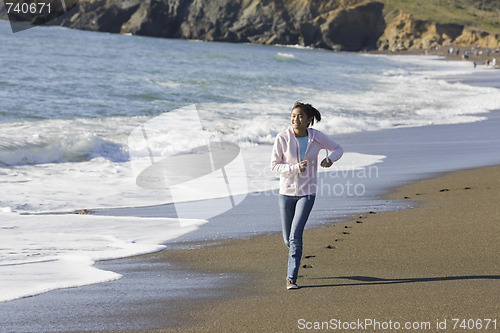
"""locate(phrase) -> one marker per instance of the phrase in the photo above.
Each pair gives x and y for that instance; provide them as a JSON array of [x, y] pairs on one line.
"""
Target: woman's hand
[[326, 163], [303, 166]]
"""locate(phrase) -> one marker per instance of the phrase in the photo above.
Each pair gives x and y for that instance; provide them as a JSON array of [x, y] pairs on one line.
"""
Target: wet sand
[[424, 266]]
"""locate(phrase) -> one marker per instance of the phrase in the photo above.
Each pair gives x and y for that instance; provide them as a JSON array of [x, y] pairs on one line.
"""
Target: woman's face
[[299, 120]]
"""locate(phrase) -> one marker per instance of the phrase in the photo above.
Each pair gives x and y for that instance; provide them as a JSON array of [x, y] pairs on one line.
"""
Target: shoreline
[[476, 58], [403, 265], [190, 302]]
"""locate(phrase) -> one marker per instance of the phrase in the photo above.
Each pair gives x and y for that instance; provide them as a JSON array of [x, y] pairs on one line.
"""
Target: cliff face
[[348, 25]]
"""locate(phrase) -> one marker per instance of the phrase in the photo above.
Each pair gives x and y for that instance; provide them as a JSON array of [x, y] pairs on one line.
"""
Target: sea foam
[[46, 252]]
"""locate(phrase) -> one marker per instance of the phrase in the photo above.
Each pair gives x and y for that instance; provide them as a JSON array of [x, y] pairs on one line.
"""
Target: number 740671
[[27, 8]]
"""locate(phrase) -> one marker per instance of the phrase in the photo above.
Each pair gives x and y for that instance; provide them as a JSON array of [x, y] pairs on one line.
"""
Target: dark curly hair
[[310, 110]]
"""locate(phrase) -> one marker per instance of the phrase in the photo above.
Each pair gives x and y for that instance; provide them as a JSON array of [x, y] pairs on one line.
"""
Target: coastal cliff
[[349, 25], [343, 25]]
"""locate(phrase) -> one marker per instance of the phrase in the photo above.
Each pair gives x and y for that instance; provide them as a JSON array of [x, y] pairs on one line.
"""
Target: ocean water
[[71, 101]]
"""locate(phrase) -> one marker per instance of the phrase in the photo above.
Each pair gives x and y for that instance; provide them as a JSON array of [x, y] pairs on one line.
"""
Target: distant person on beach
[[295, 158]]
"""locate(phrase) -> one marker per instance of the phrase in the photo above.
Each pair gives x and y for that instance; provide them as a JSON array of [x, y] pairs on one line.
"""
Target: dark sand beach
[[435, 264]]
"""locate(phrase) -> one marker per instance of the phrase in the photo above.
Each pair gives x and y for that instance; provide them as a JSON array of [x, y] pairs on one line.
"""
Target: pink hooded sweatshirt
[[285, 161]]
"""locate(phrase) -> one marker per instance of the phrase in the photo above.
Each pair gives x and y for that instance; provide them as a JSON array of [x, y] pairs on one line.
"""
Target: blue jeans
[[294, 213]]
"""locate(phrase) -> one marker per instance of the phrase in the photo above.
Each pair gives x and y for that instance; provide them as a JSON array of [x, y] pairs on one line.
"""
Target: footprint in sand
[[308, 257], [331, 247], [307, 266], [444, 190]]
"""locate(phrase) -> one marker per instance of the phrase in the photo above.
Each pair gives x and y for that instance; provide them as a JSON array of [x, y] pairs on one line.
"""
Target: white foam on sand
[[40, 253], [101, 183]]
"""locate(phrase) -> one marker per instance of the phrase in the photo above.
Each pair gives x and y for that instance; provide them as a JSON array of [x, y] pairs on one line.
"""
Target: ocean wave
[[288, 57], [78, 148]]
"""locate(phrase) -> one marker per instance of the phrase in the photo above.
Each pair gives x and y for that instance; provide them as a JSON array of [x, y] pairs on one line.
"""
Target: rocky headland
[[343, 25]]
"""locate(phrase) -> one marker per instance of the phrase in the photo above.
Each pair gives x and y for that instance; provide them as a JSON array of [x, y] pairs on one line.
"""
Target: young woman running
[[295, 158]]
